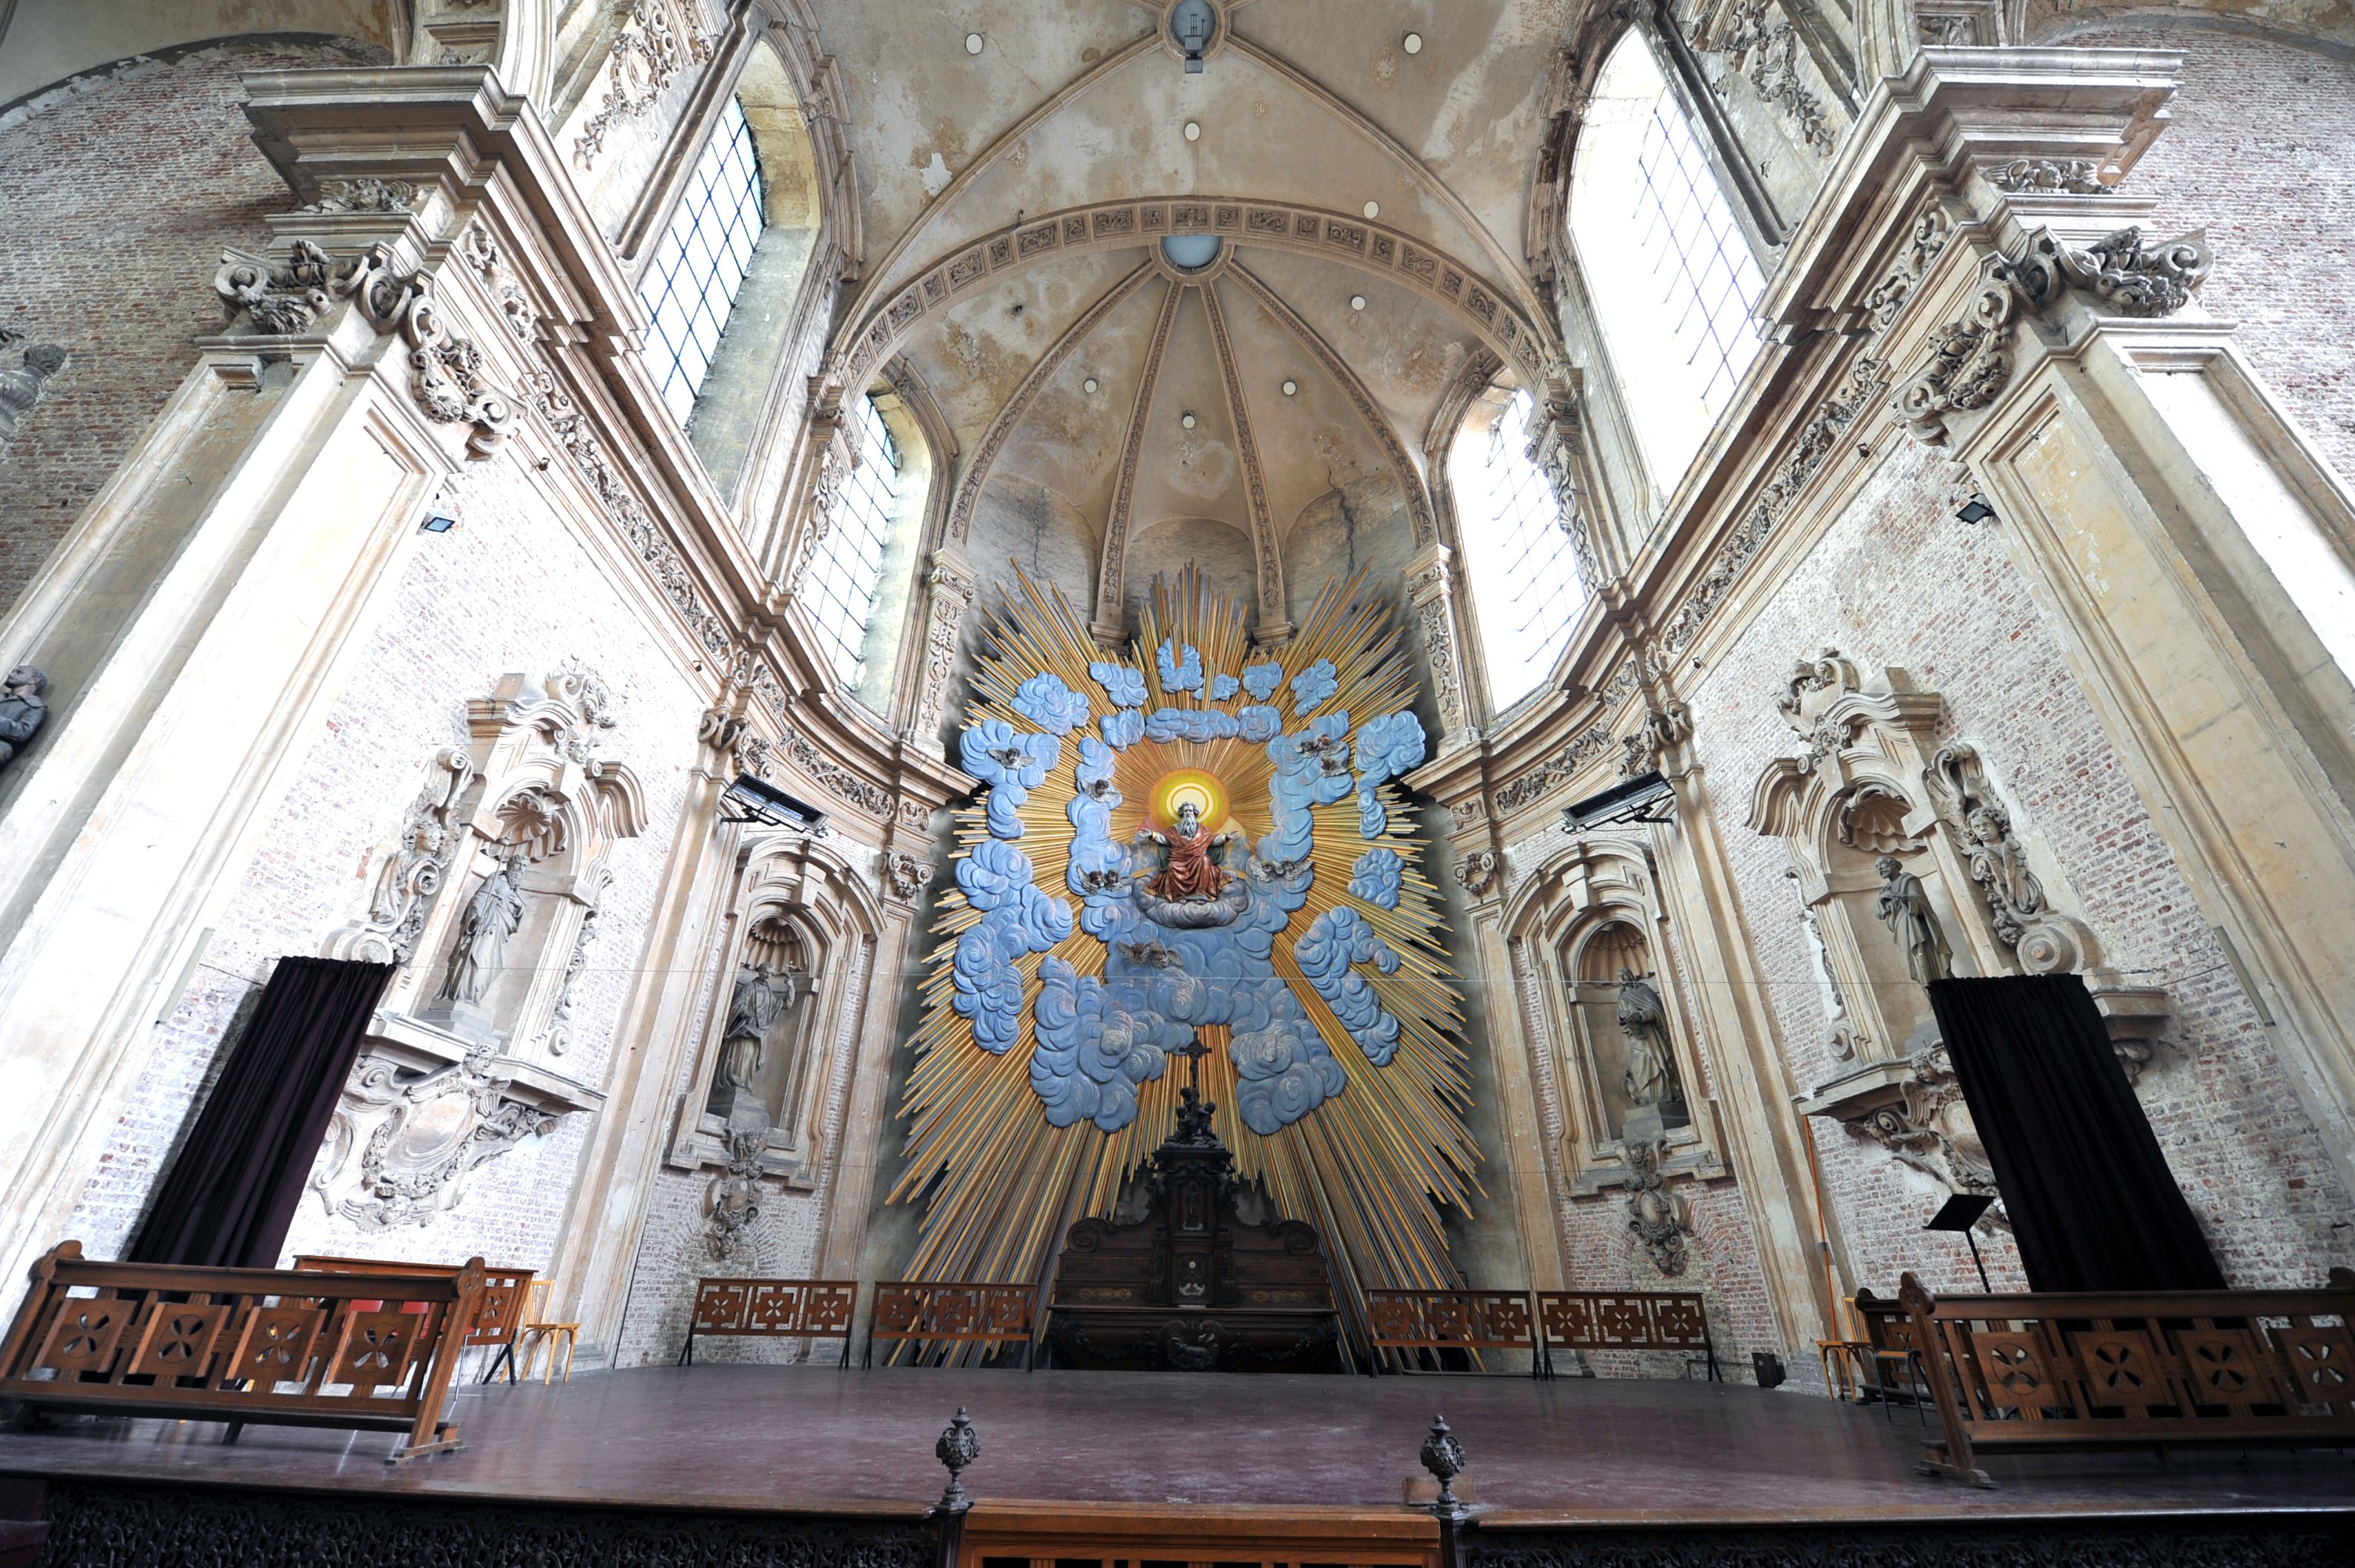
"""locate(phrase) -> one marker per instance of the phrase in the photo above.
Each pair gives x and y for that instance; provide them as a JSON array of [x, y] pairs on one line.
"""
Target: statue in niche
[[1903, 906], [1194, 869], [492, 917], [1651, 1076], [763, 994], [21, 710]]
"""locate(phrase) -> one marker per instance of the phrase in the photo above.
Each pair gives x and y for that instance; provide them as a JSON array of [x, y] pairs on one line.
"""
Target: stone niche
[[802, 924], [1909, 866], [487, 898], [1625, 1067]]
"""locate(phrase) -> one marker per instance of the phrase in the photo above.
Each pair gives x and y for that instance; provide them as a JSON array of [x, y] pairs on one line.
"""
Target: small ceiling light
[[1290, 388], [1373, 209], [973, 43], [437, 523], [1191, 22], [1356, 302], [1187, 419], [1089, 385], [1411, 43], [1193, 130]]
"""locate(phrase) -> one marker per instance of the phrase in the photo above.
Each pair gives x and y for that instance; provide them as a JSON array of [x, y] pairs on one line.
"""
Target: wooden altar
[[1193, 1286]]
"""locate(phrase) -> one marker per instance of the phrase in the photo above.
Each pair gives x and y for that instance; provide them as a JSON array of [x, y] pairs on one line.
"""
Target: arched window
[[1524, 585], [692, 282], [840, 590], [1671, 278]]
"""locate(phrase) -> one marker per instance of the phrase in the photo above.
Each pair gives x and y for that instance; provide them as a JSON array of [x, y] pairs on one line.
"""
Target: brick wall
[[509, 588], [1896, 581], [123, 186], [2261, 154]]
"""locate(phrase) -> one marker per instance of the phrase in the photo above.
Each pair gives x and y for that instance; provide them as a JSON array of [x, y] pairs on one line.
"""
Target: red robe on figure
[[1190, 873]]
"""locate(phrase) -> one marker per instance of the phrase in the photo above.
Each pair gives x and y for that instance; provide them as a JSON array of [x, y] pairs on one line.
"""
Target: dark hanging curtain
[[230, 1194], [2092, 1204]]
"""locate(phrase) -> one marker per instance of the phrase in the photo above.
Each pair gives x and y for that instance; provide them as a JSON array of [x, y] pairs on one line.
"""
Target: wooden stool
[[534, 1330]]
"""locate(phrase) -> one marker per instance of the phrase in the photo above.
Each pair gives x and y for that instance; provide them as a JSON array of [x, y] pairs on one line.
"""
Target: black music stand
[[1962, 1211]]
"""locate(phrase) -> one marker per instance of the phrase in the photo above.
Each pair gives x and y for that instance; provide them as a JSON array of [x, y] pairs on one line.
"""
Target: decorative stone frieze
[[2046, 942], [1924, 244], [38, 365], [1760, 42], [659, 41], [482, 253], [1583, 748], [445, 371], [413, 873], [282, 297], [2123, 276], [1557, 446], [401, 1144], [907, 876], [1475, 872], [817, 519], [1970, 362], [1656, 1213], [949, 590], [1663, 730], [367, 194], [1431, 609], [2037, 176]]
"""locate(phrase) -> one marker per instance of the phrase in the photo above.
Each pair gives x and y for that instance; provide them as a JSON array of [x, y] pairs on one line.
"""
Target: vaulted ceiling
[[1369, 202]]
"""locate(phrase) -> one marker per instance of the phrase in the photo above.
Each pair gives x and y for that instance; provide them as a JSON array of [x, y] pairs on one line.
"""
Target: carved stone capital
[[907, 876]]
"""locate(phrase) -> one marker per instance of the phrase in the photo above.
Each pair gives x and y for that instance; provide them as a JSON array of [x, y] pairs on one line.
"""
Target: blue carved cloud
[[1093, 1052], [1377, 877], [1124, 728], [1260, 725], [1011, 764], [1047, 702], [989, 989], [1389, 747], [1191, 724], [1125, 685], [1261, 679], [1314, 687], [1223, 686], [1016, 920], [1283, 1071], [1338, 939], [1178, 672]]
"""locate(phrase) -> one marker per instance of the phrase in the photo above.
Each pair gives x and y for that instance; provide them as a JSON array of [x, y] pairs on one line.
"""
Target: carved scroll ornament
[[1658, 1216], [401, 1145], [429, 836]]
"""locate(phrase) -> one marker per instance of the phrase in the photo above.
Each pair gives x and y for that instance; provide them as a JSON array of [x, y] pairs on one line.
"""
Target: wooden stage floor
[[1572, 1453]]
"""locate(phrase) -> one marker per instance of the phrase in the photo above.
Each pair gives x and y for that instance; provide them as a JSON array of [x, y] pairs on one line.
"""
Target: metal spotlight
[[1191, 22], [437, 523], [754, 799], [1974, 510], [1631, 802]]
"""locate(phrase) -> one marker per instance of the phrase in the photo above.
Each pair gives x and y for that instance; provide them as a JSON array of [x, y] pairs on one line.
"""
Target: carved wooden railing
[[2237, 1369], [369, 1350], [1454, 1319], [951, 1314], [1625, 1320], [499, 1311], [774, 1309]]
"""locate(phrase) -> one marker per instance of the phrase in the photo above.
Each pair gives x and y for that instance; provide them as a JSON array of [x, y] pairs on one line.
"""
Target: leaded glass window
[[701, 261], [839, 591], [1524, 577], [1672, 279]]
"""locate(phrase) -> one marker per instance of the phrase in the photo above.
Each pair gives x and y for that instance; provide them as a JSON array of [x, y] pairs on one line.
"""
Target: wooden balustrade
[[778, 1308], [1542, 1321], [1454, 1319], [949, 1312], [371, 1351], [2161, 1369], [499, 1313]]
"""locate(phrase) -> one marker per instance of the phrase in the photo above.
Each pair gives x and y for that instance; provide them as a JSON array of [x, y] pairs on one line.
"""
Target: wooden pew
[[1467, 1320], [498, 1317], [2158, 1370], [1623, 1321], [244, 1345], [774, 1309], [952, 1314]]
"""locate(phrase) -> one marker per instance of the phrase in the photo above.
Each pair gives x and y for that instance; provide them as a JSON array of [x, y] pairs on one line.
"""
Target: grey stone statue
[[493, 916], [1651, 1077], [762, 995], [21, 387], [21, 710], [1904, 908]]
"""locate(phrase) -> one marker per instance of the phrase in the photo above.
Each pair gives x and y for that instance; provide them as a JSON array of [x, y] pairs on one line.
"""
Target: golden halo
[[1181, 786]]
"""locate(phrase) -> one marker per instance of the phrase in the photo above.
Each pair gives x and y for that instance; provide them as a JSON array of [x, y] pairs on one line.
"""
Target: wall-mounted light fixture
[[1193, 23], [437, 523], [1646, 797], [1089, 385], [1193, 130], [1290, 388], [1974, 510], [1356, 302], [1187, 419], [973, 43], [1411, 43], [1373, 209]]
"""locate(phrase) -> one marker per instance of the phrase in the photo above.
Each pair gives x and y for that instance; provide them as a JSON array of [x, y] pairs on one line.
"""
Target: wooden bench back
[[786, 1308], [962, 1314], [371, 1351], [2161, 1369], [498, 1315], [1468, 1319], [1623, 1319]]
